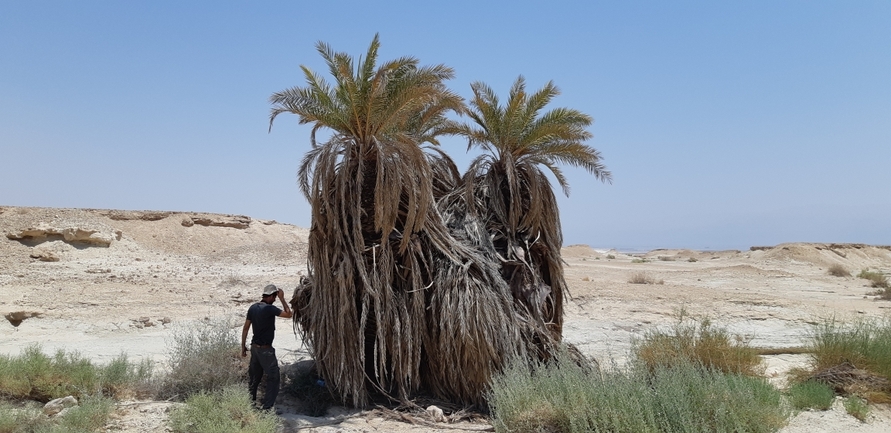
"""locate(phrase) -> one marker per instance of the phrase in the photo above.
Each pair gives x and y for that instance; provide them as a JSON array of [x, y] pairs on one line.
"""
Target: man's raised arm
[[286, 313]]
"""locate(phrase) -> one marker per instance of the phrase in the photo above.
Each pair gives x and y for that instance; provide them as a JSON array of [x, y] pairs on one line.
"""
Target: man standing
[[261, 316]]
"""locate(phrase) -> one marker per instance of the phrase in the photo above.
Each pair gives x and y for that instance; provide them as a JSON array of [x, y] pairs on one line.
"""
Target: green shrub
[[865, 344], [703, 344], [89, 416], [121, 377], [837, 270], [36, 376], [692, 260], [560, 396], [205, 356], [226, 410], [857, 407], [610, 256], [811, 394], [876, 279]]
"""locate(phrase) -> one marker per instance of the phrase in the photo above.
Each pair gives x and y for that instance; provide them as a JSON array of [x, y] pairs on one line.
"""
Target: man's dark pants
[[263, 360]]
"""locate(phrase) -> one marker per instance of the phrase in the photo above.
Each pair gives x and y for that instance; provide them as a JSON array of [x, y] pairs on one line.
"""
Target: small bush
[[560, 396], [857, 407], [837, 270], [864, 344], [226, 410], [706, 345], [692, 260], [643, 278], [666, 259], [876, 278], [610, 256], [89, 416], [204, 357], [640, 261], [811, 395], [36, 376]]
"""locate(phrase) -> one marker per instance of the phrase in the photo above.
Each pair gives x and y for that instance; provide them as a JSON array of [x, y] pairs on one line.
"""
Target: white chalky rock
[[56, 406]]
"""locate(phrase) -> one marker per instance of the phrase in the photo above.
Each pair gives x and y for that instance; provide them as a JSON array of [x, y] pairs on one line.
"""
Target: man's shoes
[[274, 410]]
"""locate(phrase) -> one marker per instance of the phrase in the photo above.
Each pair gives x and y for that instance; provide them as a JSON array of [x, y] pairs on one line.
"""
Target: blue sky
[[725, 124]]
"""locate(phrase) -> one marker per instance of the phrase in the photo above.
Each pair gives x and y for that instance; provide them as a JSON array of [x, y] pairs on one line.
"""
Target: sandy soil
[[125, 280]]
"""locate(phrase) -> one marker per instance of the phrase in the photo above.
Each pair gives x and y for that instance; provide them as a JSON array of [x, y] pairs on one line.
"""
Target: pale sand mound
[[163, 269]]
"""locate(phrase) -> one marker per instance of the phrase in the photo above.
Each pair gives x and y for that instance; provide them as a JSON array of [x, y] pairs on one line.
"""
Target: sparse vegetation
[[90, 415], [666, 259], [877, 279], [837, 270], [639, 260], [224, 410], [204, 360], [857, 407], [643, 278], [205, 356], [853, 358], [560, 396], [33, 375], [610, 256], [811, 394], [698, 343], [692, 260], [20, 419]]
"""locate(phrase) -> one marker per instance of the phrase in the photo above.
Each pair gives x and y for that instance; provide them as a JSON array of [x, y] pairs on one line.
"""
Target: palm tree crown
[[518, 134], [396, 101]]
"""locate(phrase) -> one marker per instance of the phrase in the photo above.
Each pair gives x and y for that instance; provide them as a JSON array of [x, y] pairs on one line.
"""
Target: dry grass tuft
[[700, 344], [837, 270], [644, 278], [852, 358], [877, 279]]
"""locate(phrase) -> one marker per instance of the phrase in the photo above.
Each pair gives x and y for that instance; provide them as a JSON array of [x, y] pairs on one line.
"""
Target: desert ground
[[106, 282]]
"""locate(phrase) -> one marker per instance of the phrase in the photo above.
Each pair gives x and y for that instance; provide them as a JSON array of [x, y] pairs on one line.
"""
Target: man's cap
[[270, 290]]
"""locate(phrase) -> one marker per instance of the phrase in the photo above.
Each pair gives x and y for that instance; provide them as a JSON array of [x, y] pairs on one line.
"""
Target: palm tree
[[395, 302], [515, 197]]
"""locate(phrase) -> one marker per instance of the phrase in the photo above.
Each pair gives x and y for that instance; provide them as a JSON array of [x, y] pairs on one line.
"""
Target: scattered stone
[[57, 405], [143, 322], [436, 413], [45, 256]]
